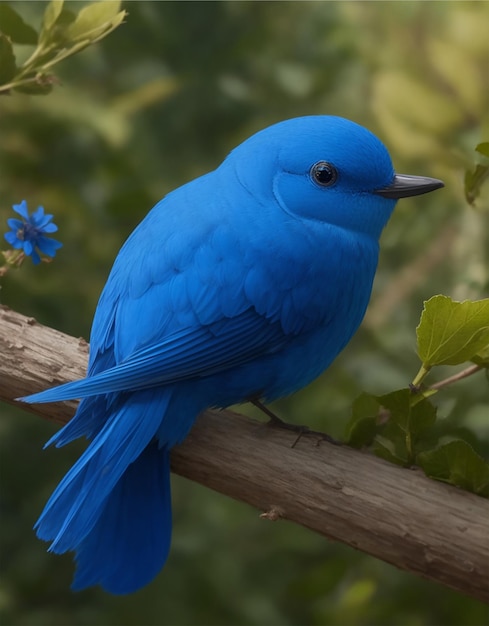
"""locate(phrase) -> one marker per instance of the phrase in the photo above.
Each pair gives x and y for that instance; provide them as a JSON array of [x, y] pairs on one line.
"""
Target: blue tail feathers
[[113, 508], [130, 541]]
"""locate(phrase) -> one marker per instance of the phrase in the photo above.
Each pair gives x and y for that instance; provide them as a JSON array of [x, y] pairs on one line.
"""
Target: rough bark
[[398, 515]]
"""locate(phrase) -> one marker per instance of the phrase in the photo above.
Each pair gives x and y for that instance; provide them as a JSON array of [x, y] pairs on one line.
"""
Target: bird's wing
[[197, 259], [190, 296], [181, 269], [186, 354], [178, 304]]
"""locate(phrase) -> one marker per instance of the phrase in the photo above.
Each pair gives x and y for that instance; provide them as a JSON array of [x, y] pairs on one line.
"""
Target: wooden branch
[[398, 515]]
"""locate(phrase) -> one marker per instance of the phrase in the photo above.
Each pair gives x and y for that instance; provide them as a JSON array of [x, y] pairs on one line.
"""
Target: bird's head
[[327, 169]]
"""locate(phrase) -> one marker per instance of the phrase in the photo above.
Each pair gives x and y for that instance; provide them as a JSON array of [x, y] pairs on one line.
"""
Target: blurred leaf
[[56, 38], [393, 422], [362, 432], [423, 416], [457, 68], [13, 25], [474, 179], [386, 449], [93, 19], [412, 101], [8, 67], [145, 96], [450, 332], [473, 182], [57, 19], [72, 106], [457, 463], [411, 417], [51, 15], [398, 404], [362, 426], [482, 357], [483, 148]]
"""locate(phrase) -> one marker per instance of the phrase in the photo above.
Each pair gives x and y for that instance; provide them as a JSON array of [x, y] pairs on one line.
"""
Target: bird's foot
[[300, 429]]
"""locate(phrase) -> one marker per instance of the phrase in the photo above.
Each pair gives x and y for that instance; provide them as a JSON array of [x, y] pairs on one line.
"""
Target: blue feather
[[77, 502], [130, 541], [202, 352]]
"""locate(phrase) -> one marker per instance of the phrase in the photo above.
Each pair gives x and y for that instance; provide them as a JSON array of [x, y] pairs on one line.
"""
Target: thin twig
[[468, 371]]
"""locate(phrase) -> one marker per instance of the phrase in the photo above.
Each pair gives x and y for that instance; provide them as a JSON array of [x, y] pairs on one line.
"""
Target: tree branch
[[398, 515]]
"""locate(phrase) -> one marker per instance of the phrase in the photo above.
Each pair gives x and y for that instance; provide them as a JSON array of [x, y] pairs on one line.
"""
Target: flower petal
[[21, 209], [48, 246], [15, 224], [36, 259], [37, 216], [12, 239], [41, 221], [49, 228], [28, 247]]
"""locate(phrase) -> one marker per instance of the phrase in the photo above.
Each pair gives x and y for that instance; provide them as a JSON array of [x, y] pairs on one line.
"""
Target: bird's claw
[[300, 429]]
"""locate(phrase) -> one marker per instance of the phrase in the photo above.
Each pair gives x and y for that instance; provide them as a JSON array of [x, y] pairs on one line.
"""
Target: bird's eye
[[324, 174]]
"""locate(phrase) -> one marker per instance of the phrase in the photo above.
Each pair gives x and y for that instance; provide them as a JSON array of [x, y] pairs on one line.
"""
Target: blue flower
[[29, 233]]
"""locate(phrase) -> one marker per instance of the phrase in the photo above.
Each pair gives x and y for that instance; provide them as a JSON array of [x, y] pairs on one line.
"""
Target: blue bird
[[241, 285]]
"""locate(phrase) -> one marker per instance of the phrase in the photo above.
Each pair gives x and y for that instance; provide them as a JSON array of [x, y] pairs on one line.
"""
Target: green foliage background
[[160, 101]]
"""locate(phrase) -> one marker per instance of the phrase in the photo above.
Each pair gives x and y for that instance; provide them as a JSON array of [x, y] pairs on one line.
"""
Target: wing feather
[[187, 354]]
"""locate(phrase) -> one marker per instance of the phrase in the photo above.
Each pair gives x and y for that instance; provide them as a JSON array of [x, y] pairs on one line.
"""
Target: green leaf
[[475, 178], [398, 404], [423, 416], [362, 426], [394, 423], [12, 25], [473, 182], [411, 414], [51, 15], [457, 463], [93, 19], [482, 357], [409, 417], [386, 449], [55, 36], [8, 67], [450, 332], [483, 148]]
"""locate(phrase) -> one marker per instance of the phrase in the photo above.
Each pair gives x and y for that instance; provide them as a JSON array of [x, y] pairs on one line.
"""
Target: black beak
[[404, 186]]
